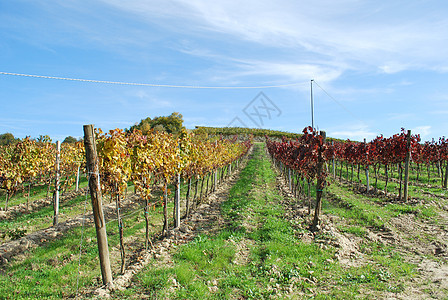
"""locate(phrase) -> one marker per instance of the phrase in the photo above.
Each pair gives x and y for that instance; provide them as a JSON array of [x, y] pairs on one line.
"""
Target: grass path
[[249, 240], [261, 249]]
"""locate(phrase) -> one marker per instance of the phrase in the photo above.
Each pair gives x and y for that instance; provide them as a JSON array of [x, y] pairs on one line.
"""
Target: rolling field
[[249, 239]]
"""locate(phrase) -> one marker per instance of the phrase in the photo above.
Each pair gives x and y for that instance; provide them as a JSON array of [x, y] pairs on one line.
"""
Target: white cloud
[[352, 31], [296, 72], [354, 132], [401, 116], [393, 67], [424, 131], [154, 102], [440, 112]]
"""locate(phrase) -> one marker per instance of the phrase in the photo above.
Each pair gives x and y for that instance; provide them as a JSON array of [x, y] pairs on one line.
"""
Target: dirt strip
[[423, 243], [37, 204], [205, 218], [36, 239]]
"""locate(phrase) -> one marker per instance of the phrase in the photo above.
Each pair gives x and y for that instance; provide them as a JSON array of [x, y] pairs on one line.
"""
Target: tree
[[44, 139], [70, 139], [170, 124], [7, 139], [159, 127], [146, 128], [144, 125]]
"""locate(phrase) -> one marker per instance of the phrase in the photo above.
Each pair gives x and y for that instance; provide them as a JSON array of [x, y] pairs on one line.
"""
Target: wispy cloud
[[356, 132], [383, 32], [149, 99], [424, 131], [323, 38], [359, 51], [393, 67], [440, 112], [401, 116]]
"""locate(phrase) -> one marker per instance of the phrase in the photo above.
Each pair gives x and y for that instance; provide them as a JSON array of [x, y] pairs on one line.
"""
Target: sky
[[376, 66]]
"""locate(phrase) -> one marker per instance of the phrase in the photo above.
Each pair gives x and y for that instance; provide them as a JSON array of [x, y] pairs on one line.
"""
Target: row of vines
[[155, 163], [29, 163], [390, 153], [156, 160], [305, 161]]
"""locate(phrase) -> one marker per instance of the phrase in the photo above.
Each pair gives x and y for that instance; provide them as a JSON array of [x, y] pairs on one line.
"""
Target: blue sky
[[383, 64]]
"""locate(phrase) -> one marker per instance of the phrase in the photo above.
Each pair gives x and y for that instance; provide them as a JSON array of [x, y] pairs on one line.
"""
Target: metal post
[[312, 105]]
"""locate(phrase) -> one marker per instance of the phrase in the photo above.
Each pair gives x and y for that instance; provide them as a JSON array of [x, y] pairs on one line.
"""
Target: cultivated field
[[247, 231]]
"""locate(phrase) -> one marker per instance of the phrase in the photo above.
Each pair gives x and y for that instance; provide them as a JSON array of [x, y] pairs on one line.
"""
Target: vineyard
[[190, 216], [232, 131], [399, 152]]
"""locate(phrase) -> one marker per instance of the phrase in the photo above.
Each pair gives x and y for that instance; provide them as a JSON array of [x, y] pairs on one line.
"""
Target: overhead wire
[[178, 86], [337, 102], [148, 84]]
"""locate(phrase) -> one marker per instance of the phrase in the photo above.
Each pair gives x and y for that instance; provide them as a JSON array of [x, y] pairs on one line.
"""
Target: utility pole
[[312, 105]]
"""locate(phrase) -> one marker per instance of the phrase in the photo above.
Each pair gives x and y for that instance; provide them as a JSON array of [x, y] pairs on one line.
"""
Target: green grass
[[275, 262], [43, 218], [420, 211], [370, 210], [22, 224], [360, 209], [354, 229], [415, 190], [256, 255], [37, 192], [50, 271]]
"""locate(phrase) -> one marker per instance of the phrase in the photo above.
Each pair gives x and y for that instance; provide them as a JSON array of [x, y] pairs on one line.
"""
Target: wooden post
[[387, 179], [440, 163], [97, 206], [334, 164], [165, 209], [367, 171], [223, 169], [208, 180], [445, 183], [56, 184], [195, 200], [406, 166], [7, 199], [177, 203], [77, 179], [120, 228], [309, 196], [28, 198], [289, 179], [320, 184], [187, 197], [202, 188]]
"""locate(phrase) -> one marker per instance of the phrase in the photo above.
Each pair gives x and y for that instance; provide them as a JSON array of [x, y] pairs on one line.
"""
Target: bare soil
[[206, 218], [423, 243]]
